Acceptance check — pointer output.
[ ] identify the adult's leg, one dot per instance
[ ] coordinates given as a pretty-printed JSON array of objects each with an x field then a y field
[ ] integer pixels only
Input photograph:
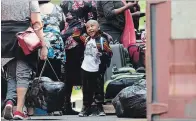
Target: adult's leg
[
  {"x": 23, "y": 76},
  {"x": 68, "y": 71},
  {"x": 73, "y": 76},
  {"x": 68, "y": 89},
  {"x": 11, "y": 81},
  {"x": 10, "y": 100}
]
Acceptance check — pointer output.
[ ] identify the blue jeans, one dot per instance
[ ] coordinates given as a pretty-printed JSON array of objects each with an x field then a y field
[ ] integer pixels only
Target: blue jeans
[{"x": 11, "y": 81}]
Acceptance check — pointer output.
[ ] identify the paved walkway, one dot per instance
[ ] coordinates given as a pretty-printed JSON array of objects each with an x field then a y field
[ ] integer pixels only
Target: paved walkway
[
  {"x": 77, "y": 98},
  {"x": 76, "y": 118}
]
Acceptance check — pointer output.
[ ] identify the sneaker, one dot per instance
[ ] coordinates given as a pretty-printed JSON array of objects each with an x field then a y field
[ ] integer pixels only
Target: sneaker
[
  {"x": 55, "y": 113},
  {"x": 8, "y": 111},
  {"x": 30, "y": 111},
  {"x": 19, "y": 116},
  {"x": 68, "y": 110},
  {"x": 94, "y": 111},
  {"x": 86, "y": 111},
  {"x": 100, "y": 110}
]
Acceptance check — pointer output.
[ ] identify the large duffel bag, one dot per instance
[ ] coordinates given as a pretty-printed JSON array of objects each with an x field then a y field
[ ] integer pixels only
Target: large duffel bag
[
  {"x": 45, "y": 93},
  {"x": 113, "y": 87},
  {"x": 131, "y": 101},
  {"x": 118, "y": 59}
]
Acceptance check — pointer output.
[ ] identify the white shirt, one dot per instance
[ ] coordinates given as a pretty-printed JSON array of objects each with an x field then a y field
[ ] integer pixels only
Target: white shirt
[{"x": 91, "y": 57}]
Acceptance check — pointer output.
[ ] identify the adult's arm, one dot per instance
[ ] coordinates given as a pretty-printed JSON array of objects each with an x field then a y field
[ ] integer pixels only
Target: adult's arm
[
  {"x": 38, "y": 27},
  {"x": 110, "y": 11},
  {"x": 138, "y": 14}
]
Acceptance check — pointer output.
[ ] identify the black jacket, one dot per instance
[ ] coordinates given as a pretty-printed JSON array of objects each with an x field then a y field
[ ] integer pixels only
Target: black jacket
[{"x": 106, "y": 50}]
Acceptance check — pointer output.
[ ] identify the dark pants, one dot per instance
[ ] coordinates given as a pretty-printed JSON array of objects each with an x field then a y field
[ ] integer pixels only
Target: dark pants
[
  {"x": 73, "y": 69},
  {"x": 99, "y": 97},
  {"x": 93, "y": 87}
]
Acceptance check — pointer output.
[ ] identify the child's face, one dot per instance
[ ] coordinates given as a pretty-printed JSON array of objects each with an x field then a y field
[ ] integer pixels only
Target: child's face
[{"x": 92, "y": 28}]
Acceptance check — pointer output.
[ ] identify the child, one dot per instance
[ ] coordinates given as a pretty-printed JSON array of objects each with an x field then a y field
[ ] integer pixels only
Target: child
[{"x": 97, "y": 57}]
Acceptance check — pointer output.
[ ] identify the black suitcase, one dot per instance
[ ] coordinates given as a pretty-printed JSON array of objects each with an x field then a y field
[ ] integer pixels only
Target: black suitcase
[
  {"x": 113, "y": 87},
  {"x": 118, "y": 59}
]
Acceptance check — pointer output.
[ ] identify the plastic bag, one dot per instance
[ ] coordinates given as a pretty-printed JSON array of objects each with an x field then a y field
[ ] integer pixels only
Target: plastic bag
[
  {"x": 45, "y": 94},
  {"x": 131, "y": 101}
]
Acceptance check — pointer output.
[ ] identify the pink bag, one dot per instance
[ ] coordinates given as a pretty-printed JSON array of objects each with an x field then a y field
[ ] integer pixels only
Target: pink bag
[
  {"x": 28, "y": 41},
  {"x": 137, "y": 54},
  {"x": 128, "y": 37}
]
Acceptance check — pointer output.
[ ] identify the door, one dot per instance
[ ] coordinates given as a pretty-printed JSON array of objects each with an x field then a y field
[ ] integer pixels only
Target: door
[{"x": 171, "y": 60}]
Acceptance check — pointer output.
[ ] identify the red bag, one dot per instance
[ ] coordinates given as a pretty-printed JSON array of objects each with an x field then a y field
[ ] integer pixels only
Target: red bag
[
  {"x": 137, "y": 54},
  {"x": 128, "y": 36},
  {"x": 28, "y": 41}
]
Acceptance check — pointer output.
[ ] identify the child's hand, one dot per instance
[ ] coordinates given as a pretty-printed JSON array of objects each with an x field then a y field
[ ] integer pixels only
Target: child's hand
[{"x": 99, "y": 54}]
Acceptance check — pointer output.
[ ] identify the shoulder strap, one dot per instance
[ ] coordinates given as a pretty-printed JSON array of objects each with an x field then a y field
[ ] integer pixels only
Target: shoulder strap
[
  {"x": 101, "y": 42},
  {"x": 87, "y": 39}
]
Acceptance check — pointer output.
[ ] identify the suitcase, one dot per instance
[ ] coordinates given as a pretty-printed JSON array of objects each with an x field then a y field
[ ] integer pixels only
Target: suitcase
[
  {"x": 118, "y": 59},
  {"x": 137, "y": 54}
]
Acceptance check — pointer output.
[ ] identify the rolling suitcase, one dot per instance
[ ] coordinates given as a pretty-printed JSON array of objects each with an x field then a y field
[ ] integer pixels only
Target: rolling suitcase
[
  {"x": 118, "y": 59},
  {"x": 114, "y": 86}
]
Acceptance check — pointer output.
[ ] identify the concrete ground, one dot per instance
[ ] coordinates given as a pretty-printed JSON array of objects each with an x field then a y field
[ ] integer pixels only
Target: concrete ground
[
  {"x": 76, "y": 118},
  {"x": 77, "y": 98}
]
